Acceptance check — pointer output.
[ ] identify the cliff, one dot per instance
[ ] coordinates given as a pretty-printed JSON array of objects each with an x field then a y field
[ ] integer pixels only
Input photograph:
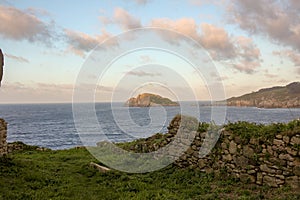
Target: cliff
[
  {"x": 149, "y": 100},
  {"x": 276, "y": 97}
]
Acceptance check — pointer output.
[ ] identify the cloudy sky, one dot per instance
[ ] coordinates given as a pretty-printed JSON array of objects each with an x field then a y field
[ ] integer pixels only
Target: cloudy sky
[{"x": 253, "y": 44}]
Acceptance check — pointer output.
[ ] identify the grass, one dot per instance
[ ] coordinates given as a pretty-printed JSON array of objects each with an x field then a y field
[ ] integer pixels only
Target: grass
[
  {"x": 66, "y": 174},
  {"x": 247, "y": 130}
]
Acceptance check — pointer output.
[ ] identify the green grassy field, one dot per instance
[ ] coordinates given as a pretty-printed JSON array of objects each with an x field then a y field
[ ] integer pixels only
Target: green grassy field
[{"x": 66, "y": 174}]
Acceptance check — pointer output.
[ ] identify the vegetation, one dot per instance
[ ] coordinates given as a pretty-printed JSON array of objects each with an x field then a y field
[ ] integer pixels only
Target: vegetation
[
  {"x": 65, "y": 174},
  {"x": 247, "y": 130},
  {"x": 35, "y": 173},
  {"x": 160, "y": 100}
]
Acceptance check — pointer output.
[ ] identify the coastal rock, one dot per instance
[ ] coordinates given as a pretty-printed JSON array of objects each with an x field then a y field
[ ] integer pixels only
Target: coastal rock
[{"x": 149, "y": 100}]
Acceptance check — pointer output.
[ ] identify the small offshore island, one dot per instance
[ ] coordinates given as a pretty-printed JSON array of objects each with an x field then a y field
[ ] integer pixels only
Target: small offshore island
[
  {"x": 275, "y": 97},
  {"x": 149, "y": 100}
]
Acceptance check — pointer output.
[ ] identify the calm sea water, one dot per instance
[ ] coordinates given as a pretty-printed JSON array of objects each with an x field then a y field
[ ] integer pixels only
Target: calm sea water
[{"x": 52, "y": 125}]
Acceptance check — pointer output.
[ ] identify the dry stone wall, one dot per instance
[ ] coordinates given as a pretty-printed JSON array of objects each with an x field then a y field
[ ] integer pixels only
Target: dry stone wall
[
  {"x": 273, "y": 162},
  {"x": 3, "y": 135}
]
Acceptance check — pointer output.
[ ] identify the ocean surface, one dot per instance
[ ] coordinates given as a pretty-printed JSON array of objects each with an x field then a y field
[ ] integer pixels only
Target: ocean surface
[{"x": 52, "y": 125}]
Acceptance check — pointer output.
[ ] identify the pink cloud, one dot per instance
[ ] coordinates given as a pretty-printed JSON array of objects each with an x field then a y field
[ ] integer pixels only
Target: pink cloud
[
  {"x": 21, "y": 25},
  {"x": 17, "y": 58},
  {"x": 125, "y": 20},
  {"x": 278, "y": 20}
]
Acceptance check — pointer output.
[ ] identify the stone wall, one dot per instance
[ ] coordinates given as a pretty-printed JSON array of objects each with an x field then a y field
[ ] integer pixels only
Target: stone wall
[
  {"x": 273, "y": 161},
  {"x": 3, "y": 135}
]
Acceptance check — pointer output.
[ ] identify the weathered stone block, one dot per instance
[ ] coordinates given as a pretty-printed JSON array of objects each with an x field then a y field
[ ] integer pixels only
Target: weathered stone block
[
  {"x": 246, "y": 178},
  {"x": 296, "y": 170},
  {"x": 241, "y": 161},
  {"x": 259, "y": 178},
  {"x": 286, "y": 157},
  {"x": 227, "y": 157},
  {"x": 295, "y": 140},
  {"x": 278, "y": 142},
  {"x": 232, "y": 147},
  {"x": 248, "y": 151},
  {"x": 293, "y": 181},
  {"x": 265, "y": 168},
  {"x": 270, "y": 181},
  {"x": 286, "y": 139}
]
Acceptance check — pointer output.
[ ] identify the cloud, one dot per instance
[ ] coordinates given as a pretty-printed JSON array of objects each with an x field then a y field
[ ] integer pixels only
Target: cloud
[
  {"x": 37, "y": 92},
  {"x": 246, "y": 66},
  {"x": 270, "y": 75},
  {"x": 80, "y": 43},
  {"x": 145, "y": 59},
  {"x": 207, "y": 2},
  {"x": 17, "y": 58},
  {"x": 141, "y": 2},
  {"x": 278, "y": 20},
  {"x": 125, "y": 20},
  {"x": 142, "y": 73},
  {"x": 293, "y": 56},
  {"x": 221, "y": 46},
  {"x": 185, "y": 26},
  {"x": 217, "y": 41},
  {"x": 21, "y": 25},
  {"x": 247, "y": 56}
]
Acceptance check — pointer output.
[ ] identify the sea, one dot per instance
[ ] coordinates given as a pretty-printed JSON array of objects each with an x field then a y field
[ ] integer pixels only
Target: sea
[{"x": 53, "y": 125}]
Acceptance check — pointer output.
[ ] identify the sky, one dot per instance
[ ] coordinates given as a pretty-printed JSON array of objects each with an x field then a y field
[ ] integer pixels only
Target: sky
[{"x": 250, "y": 44}]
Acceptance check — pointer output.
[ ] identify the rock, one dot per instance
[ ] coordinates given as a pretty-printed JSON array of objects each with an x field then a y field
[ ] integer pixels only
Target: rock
[
  {"x": 246, "y": 178},
  {"x": 237, "y": 139},
  {"x": 227, "y": 157},
  {"x": 279, "y": 136},
  {"x": 201, "y": 163},
  {"x": 248, "y": 151},
  {"x": 241, "y": 161},
  {"x": 296, "y": 170},
  {"x": 259, "y": 178},
  {"x": 280, "y": 176},
  {"x": 149, "y": 100},
  {"x": 293, "y": 181},
  {"x": 277, "y": 161},
  {"x": 270, "y": 181},
  {"x": 99, "y": 167},
  {"x": 279, "y": 181},
  {"x": 286, "y": 157},
  {"x": 286, "y": 139},
  {"x": 254, "y": 141},
  {"x": 232, "y": 147},
  {"x": 291, "y": 151},
  {"x": 224, "y": 145},
  {"x": 265, "y": 168},
  {"x": 278, "y": 142},
  {"x": 295, "y": 140},
  {"x": 270, "y": 150},
  {"x": 251, "y": 171}
]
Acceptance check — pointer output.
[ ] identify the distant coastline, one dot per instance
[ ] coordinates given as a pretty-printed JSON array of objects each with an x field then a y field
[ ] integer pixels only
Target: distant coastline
[{"x": 275, "y": 97}]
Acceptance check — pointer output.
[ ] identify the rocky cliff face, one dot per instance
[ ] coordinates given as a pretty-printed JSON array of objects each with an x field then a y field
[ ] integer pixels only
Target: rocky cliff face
[
  {"x": 3, "y": 135},
  {"x": 149, "y": 100},
  {"x": 275, "y": 97}
]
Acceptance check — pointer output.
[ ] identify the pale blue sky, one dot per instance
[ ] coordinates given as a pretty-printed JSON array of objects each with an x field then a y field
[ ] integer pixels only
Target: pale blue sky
[{"x": 46, "y": 43}]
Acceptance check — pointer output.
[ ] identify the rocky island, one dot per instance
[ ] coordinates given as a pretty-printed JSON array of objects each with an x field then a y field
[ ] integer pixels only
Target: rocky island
[
  {"x": 149, "y": 100},
  {"x": 275, "y": 97}
]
